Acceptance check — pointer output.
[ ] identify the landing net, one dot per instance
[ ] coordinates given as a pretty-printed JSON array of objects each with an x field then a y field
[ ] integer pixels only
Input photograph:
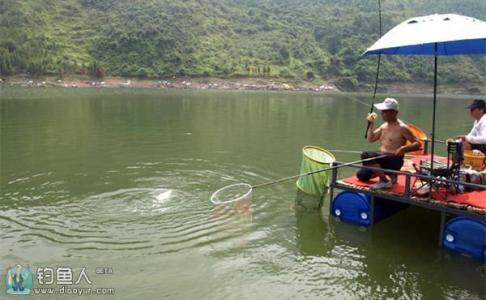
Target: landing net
[{"x": 232, "y": 193}]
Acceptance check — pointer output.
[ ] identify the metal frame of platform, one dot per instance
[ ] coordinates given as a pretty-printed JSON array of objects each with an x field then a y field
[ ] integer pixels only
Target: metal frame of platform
[{"x": 407, "y": 197}]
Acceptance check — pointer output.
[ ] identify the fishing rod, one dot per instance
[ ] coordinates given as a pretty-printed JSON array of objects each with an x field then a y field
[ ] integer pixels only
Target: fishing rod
[
  {"x": 318, "y": 171},
  {"x": 377, "y": 72}
]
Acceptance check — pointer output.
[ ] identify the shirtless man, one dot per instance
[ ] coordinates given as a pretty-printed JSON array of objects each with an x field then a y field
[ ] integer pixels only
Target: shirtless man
[{"x": 393, "y": 136}]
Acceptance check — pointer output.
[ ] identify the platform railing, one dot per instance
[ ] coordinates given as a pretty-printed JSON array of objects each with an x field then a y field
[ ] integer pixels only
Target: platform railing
[
  {"x": 409, "y": 176},
  {"x": 405, "y": 197}
]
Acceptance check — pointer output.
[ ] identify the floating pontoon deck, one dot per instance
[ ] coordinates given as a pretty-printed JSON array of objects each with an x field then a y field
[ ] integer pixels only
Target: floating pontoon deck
[{"x": 470, "y": 204}]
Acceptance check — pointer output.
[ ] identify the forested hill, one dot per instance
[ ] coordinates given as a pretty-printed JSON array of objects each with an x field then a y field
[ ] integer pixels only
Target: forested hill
[{"x": 281, "y": 38}]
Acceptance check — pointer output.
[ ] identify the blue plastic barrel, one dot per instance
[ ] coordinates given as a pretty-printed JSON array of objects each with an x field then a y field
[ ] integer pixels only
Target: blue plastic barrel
[
  {"x": 466, "y": 235},
  {"x": 355, "y": 208}
]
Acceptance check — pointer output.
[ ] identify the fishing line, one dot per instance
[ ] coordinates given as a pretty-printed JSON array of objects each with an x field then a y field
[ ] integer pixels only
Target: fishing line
[
  {"x": 358, "y": 101},
  {"x": 345, "y": 151}
]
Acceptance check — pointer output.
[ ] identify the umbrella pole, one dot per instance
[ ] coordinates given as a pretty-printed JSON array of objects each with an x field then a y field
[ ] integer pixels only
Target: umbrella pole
[{"x": 433, "y": 112}]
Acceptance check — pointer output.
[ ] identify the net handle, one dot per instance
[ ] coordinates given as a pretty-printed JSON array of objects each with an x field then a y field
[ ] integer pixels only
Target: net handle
[{"x": 318, "y": 171}]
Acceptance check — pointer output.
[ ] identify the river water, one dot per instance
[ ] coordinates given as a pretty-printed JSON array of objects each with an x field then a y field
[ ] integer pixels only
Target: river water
[{"x": 120, "y": 179}]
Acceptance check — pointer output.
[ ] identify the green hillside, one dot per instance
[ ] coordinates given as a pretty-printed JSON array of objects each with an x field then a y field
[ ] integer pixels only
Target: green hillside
[{"x": 298, "y": 39}]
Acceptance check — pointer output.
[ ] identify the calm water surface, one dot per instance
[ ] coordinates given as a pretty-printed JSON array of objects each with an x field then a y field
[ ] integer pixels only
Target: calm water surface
[{"x": 122, "y": 179}]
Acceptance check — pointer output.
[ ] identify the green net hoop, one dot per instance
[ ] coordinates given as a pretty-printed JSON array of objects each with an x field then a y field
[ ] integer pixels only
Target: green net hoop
[{"x": 315, "y": 159}]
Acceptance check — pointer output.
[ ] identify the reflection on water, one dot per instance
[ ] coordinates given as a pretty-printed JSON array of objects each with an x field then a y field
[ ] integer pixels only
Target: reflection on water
[
  {"x": 304, "y": 201},
  {"x": 125, "y": 177}
]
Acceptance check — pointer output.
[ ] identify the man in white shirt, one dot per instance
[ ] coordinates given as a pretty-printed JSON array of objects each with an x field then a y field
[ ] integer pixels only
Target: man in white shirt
[{"x": 476, "y": 139}]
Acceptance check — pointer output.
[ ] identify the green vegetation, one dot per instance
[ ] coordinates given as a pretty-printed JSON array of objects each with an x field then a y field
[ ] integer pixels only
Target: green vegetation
[{"x": 300, "y": 39}]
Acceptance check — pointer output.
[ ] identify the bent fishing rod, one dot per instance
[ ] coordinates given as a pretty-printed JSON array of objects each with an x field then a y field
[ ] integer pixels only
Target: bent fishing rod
[{"x": 377, "y": 72}]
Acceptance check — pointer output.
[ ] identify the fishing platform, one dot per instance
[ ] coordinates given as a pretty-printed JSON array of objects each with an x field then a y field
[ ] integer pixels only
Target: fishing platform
[
  {"x": 442, "y": 187},
  {"x": 462, "y": 205}
]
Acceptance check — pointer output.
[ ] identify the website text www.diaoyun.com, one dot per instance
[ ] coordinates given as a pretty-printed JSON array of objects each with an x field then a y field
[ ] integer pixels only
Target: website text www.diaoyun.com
[{"x": 73, "y": 291}]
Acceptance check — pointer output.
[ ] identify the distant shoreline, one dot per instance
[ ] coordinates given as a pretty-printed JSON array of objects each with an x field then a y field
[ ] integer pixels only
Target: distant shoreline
[{"x": 211, "y": 83}]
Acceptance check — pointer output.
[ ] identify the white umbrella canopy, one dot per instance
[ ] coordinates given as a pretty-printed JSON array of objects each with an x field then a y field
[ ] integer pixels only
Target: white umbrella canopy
[
  {"x": 452, "y": 34},
  {"x": 437, "y": 35}
]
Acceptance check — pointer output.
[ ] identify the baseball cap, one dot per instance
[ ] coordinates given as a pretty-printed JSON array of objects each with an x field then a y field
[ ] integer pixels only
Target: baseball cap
[
  {"x": 477, "y": 103},
  {"x": 389, "y": 103}
]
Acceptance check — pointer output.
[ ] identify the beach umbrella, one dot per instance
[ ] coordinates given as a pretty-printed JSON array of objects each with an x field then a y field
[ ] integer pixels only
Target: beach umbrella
[{"x": 434, "y": 35}]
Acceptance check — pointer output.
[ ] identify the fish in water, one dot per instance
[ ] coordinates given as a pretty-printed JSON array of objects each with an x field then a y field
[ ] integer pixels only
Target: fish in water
[{"x": 163, "y": 196}]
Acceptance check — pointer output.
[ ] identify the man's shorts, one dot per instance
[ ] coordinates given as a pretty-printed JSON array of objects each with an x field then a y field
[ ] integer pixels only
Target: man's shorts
[
  {"x": 480, "y": 147},
  {"x": 392, "y": 162}
]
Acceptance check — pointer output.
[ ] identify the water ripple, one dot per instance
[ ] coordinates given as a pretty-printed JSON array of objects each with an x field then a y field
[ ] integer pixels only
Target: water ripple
[{"x": 162, "y": 212}]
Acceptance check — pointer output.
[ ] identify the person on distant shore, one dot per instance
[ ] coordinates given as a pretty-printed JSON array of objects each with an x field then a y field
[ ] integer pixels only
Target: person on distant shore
[
  {"x": 393, "y": 135},
  {"x": 476, "y": 139}
]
